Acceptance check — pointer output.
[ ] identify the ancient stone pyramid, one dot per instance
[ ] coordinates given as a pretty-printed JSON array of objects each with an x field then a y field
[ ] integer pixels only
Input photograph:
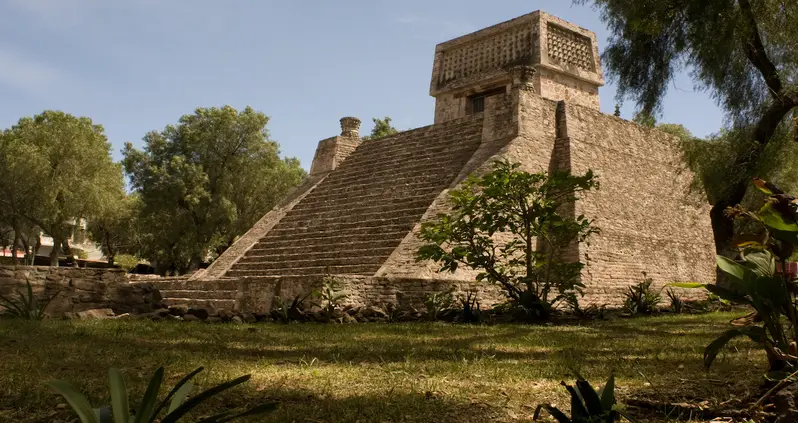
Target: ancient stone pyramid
[{"x": 525, "y": 90}]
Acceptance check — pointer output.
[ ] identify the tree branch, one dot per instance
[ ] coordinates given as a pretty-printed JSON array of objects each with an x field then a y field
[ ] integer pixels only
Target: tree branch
[{"x": 755, "y": 51}]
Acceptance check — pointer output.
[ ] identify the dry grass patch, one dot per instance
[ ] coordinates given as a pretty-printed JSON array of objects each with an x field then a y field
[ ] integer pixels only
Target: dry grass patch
[{"x": 417, "y": 372}]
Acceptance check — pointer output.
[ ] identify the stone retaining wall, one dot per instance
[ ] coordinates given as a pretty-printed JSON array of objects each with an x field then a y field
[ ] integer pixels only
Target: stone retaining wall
[{"x": 80, "y": 289}]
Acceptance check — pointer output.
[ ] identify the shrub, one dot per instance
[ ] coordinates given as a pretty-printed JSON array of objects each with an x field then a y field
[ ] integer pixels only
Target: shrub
[
  {"x": 529, "y": 210},
  {"x": 437, "y": 303},
  {"x": 641, "y": 298},
  {"x": 126, "y": 262},
  {"x": 589, "y": 312},
  {"x": 472, "y": 313},
  {"x": 330, "y": 297},
  {"x": 677, "y": 304},
  {"x": 26, "y": 306},
  {"x": 587, "y": 405},
  {"x": 286, "y": 313},
  {"x": 754, "y": 281},
  {"x": 149, "y": 408}
]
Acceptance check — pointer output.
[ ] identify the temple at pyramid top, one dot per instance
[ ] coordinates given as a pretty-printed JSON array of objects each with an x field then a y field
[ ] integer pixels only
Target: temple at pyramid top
[{"x": 561, "y": 58}]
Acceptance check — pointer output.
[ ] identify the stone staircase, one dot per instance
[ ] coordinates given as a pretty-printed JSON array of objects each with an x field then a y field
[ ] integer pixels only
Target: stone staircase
[
  {"x": 352, "y": 221},
  {"x": 217, "y": 294}
]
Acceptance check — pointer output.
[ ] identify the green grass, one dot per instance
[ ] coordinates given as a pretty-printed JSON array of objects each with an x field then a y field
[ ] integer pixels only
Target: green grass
[{"x": 415, "y": 372}]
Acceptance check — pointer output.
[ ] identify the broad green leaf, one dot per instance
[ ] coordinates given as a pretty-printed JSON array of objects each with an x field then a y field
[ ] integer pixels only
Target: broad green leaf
[
  {"x": 555, "y": 412},
  {"x": 688, "y": 285},
  {"x": 772, "y": 218},
  {"x": 76, "y": 400},
  {"x": 190, "y": 376},
  {"x": 608, "y": 394},
  {"x": 732, "y": 268},
  {"x": 147, "y": 405},
  {"x": 711, "y": 351},
  {"x": 180, "y": 396},
  {"x": 761, "y": 262},
  {"x": 119, "y": 400},
  {"x": 196, "y": 400}
]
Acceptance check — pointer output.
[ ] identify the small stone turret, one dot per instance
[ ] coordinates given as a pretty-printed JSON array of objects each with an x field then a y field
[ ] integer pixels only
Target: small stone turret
[
  {"x": 332, "y": 151},
  {"x": 350, "y": 127}
]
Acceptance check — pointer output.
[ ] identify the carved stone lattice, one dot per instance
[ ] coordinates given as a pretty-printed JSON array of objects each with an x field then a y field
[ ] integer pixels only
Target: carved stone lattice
[
  {"x": 570, "y": 47},
  {"x": 511, "y": 46}
]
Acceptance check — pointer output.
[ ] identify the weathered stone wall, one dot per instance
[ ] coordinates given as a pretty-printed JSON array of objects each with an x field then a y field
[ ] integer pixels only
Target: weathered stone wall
[
  {"x": 80, "y": 289},
  {"x": 556, "y": 85},
  {"x": 650, "y": 221}
]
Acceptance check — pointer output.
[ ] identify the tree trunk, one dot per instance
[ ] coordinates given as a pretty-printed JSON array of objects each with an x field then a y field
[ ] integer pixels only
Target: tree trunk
[
  {"x": 723, "y": 226},
  {"x": 35, "y": 251},
  {"x": 14, "y": 245},
  {"x": 54, "y": 252}
]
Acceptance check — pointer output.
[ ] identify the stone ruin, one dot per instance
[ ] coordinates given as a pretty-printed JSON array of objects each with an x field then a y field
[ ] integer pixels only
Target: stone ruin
[{"x": 525, "y": 90}]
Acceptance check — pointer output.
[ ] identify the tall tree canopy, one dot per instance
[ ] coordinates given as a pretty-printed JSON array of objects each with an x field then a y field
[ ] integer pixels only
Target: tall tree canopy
[
  {"x": 57, "y": 169},
  {"x": 382, "y": 128},
  {"x": 205, "y": 181},
  {"x": 743, "y": 52}
]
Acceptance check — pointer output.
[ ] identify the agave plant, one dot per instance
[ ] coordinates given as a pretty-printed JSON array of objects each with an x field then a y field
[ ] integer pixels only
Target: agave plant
[
  {"x": 26, "y": 306},
  {"x": 175, "y": 405},
  {"x": 587, "y": 404},
  {"x": 754, "y": 280}
]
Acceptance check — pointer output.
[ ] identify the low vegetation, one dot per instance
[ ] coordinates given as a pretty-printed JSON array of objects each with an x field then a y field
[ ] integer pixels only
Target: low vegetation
[{"x": 415, "y": 372}]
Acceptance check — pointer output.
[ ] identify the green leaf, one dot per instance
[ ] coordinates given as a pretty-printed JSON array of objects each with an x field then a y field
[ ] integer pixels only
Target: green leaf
[
  {"x": 688, "y": 285},
  {"x": 180, "y": 396},
  {"x": 761, "y": 262},
  {"x": 608, "y": 394},
  {"x": 119, "y": 400},
  {"x": 772, "y": 218},
  {"x": 193, "y": 402},
  {"x": 591, "y": 398},
  {"x": 578, "y": 410},
  {"x": 186, "y": 379},
  {"x": 756, "y": 334},
  {"x": 732, "y": 268},
  {"x": 147, "y": 405},
  {"x": 76, "y": 400},
  {"x": 555, "y": 412}
]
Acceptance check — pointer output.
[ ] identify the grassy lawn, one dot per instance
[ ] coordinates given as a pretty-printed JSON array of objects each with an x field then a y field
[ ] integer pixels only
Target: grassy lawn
[{"x": 375, "y": 372}]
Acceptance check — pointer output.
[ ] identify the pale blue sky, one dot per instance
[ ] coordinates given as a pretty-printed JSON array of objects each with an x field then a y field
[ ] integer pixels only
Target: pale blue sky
[{"x": 137, "y": 65}]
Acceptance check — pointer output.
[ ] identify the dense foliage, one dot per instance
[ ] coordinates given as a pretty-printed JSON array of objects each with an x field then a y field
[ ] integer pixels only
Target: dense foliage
[
  {"x": 756, "y": 280},
  {"x": 744, "y": 53},
  {"x": 382, "y": 128},
  {"x": 514, "y": 228},
  {"x": 205, "y": 181},
  {"x": 57, "y": 171},
  {"x": 587, "y": 404}
]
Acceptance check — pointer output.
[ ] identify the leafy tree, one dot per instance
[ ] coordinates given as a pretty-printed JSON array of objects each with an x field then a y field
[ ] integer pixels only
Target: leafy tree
[
  {"x": 645, "y": 119},
  {"x": 744, "y": 53},
  {"x": 205, "y": 181},
  {"x": 116, "y": 230},
  {"x": 514, "y": 228},
  {"x": 60, "y": 171},
  {"x": 382, "y": 128}
]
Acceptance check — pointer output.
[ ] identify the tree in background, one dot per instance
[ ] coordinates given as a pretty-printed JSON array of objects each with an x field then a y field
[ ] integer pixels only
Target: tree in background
[
  {"x": 117, "y": 229},
  {"x": 57, "y": 170},
  {"x": 205, "y": 181},
  {"x": 744, "y": 53},
  {"x": 382, "y": 128}
]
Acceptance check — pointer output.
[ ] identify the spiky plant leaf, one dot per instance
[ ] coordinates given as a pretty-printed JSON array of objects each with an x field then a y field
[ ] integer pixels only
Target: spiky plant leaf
[
  {"x": 75, "y": 399},
  {"x": 591, "y": 398},
  {"x": 119, "y": 400},
  {"x": 174, "y": 390},
  {"x": 608, "y": 394},
  {"x": 147, "y": 405},
  {"x": 193, "y": 402},
  {"x": 554, "y": 411},
  {"x": 235, "y": 414}
]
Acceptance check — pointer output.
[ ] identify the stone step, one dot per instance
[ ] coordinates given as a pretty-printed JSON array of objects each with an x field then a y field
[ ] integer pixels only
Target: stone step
[
  {"x": 382, "y": 206},
  {"x": 389, "y": 243},
  {"x": 386, "y": 217},
  {"x": 364, "y": 194},
  {"x": 217, "y": 304},
  {"x": 267, "y": 264},
  {"x": 334, "y": 241},
  {"x": 197, "y": 294},
  {"x": 256, "y": 256},
  {"x": 309, "y": 271},
  {"x": 200, "y": 285},
  {"x": 430, "y": 152},
  {"x": 388, "y": 175},
  {"x": 441, "y": 133},
  {"x": 332, "y": 228}
]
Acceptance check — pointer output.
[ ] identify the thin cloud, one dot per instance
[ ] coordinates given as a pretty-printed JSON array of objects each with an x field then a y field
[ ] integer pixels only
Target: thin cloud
[{"x": 32, "y": 77}]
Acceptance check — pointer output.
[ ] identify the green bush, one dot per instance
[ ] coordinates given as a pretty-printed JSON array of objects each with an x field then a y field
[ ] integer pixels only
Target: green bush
[
  {"x": 641, "y": 299},
  {"x": 329, "y": 297},
  {"x": 587, "y": 404},
  {"x": 530, "y": 211},
  {"x": 126, "y": 262},
  {"x": 437, "y": 303},
  {"x": 25, "y": 306},
  {"x": 175, "y": 406},
  {"x": 677, "y": 304},
  {"x": 754, "y": 281}
]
